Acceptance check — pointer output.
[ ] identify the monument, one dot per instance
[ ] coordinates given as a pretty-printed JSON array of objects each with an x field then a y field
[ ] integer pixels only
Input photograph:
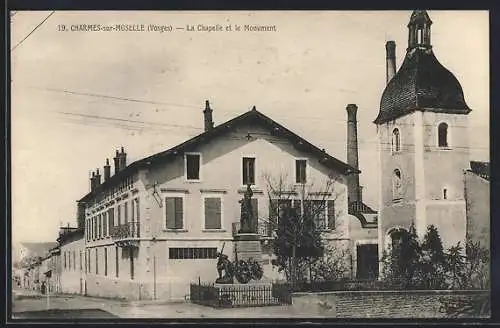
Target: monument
[
  {"x": 247, "y": 240},
  {"x": 248, "y": 252}
]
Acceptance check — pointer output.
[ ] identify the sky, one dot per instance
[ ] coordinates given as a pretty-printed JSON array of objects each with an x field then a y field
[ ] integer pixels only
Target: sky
[{"x": 78, "y": 96}]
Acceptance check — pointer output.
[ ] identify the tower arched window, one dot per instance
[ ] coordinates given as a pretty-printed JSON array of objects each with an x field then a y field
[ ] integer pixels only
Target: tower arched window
[
  {"x": 396, "y": 140},
  {"x": 396, "y": 185},
  {"x": 443, "y": 135},
  {"x": 420, "y": 36}
]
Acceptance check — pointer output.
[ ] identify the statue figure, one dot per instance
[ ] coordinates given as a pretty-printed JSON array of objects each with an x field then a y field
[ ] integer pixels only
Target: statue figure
[
  {"x": 224, "y": 264},
  {"x": 246, "y": 220}
]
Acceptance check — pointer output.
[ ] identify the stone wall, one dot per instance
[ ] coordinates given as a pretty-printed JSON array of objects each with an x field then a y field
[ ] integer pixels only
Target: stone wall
[{"x": 378, "y": 304}]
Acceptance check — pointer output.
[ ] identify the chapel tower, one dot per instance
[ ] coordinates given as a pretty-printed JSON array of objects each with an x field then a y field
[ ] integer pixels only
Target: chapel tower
[{"x": 422, "y": 128}]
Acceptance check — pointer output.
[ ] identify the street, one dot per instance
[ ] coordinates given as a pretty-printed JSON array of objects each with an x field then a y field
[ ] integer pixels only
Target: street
[{"x": 23, "y": 302}]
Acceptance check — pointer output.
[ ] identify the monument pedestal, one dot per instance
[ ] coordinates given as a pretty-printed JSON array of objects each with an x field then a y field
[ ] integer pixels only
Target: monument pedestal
[{"x": 248, "y": 246}]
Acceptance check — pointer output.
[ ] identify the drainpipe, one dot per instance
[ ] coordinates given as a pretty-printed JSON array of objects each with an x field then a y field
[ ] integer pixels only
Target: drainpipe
[{"x": 154, "y": 267}]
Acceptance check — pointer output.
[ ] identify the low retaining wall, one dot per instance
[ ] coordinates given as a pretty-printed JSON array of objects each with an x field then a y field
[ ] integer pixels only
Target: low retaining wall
[{"x": 380, "y": 304}]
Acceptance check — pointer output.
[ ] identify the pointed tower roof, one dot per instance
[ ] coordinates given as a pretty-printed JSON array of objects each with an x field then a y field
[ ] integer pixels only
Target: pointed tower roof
[
  {"x": 419, "y": 17},
  {"x": 421, "y": 82}
]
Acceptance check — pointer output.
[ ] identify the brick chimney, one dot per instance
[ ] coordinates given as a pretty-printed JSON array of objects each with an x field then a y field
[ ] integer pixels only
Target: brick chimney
[
  {"x": 107, "y": 171},
  {"x": 207, "y": 114},
  {"x": 122, "y": 159},
  {"x": 97, "y": 178},
  {"x": 390, "y": 50},
  {"x": 92, "y": 182},
  {"x": 352, "y": 153},
  {"x": 117, "y": 163}
]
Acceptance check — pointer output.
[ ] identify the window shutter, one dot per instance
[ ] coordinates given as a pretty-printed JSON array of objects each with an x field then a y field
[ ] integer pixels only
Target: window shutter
[
  {"x": 212, "y": 213},
  {"x": 170, "y": 212},
  {"x": 178, "y": 213},
  {"x": 331, "y": 214}
]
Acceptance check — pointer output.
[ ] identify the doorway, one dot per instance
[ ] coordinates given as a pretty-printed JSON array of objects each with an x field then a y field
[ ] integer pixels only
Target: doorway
[{"x": 367, "y": 262}]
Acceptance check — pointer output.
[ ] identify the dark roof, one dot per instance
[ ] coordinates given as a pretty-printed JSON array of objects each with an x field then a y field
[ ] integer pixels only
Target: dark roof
[
  {"x": 69, "y": 236},
  {"x": 421, "y": 83},
  {"x": 481, "y": 169},
  {"x": 419, "y": 17},
  {"x": 253, "y": 116}
]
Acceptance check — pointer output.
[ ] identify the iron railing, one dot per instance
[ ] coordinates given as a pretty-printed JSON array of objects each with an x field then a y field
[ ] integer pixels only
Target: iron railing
[
  {"x": 128, "y": 230},
  {"x": 224, "y": 296}
]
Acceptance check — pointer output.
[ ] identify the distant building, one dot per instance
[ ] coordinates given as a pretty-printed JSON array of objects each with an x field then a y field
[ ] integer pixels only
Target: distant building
[
  {"x": 70, "y": 262},
  {"x": 424, "y": 144}
]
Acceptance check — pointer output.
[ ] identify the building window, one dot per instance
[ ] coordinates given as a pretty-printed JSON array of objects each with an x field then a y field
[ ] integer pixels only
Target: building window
[
  {"x": 317, "y": 210},
  {"x": 89, "y": 260},
  {"x": 118, "y": 214},
  {"x": 445, "y": 193},
  {"x": 213, "y": 213},
  {"x": 192, "y": 253},
  {"x": 111, "y": 216},
  {"x": 174, "y": 212},
  {"x": 300, "y": 171},
  {"x": 443, "y": 135},
  {"x": 420, "y": 33},
  {"x": 248, "y": 170},
  {"x": 125, "y": 213},
  {"x": 137, "y": 210},
  {"x": 396, "y": 140},
  {"x": 74, "y": 260},
  {"x": 396, "y": 185},
  {"x": 105, "y": 261},
  {"x": 65, "y": 265},
  {"x": 117, "y": 262},
  {"x": 96, "y": 261},
  {"x": 104, "y": 225},
  {"x": 81, "y": 261},
  {"x": 330, "y": 210},
  {"x": 99, "y": 226},
  {"x": 132, "y": 210},
  {"x": 95, "y": 227},
  {"x": 193, "y": 166}
]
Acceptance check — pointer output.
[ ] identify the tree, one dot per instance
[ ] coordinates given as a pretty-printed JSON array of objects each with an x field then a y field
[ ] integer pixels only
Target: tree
[
  {"x": 469, "y": 269},
  {"x": 298, "y": 213},
  {"x": 433, "y": 264},
  {"x": 411, "y": 264},
  {"x": 402, "y": 263}
]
